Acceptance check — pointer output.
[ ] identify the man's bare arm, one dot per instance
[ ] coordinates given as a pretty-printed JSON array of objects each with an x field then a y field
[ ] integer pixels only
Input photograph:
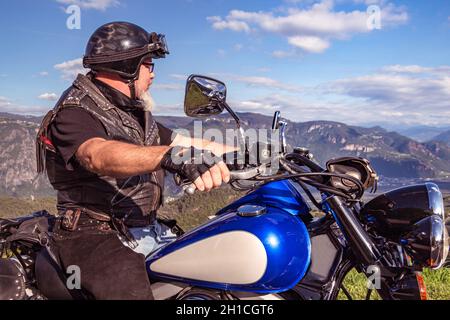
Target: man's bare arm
[{"x": 119, "y": 159}]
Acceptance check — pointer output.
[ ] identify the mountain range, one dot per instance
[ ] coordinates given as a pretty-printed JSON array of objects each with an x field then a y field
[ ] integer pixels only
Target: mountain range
[
  {"x": 392, "y": 154},
  {"x": 422, "y": 133},
  {"x": 443, "y": 137}
]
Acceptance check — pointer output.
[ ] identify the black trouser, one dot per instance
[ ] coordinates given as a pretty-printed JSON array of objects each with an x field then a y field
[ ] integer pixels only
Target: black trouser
[{"x": 109, "y": 269}]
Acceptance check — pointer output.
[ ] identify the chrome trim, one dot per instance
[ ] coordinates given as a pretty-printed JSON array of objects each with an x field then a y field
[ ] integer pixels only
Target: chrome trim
[
  {"x": 438, "y": 237},
  {"x": 435, "y": 199}
]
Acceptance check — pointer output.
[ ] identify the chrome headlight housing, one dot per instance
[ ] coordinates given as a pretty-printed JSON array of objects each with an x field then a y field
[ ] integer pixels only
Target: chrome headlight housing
[
  {"x": 412, "y": 216},
  {"x": 427, "y": 244},
  {"x": 428, "y": 241}
]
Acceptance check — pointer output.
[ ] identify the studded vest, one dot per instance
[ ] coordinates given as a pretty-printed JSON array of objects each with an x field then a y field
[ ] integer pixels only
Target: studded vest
[{"x": 134, "y": 199}]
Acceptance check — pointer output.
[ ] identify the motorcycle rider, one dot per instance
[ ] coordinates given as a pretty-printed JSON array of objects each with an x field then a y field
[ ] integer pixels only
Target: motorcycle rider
[{"x": 105, "y": 155}]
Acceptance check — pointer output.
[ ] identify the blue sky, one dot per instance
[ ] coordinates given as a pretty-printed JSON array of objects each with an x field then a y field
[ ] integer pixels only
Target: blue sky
[{"x": 310, "y": 59}]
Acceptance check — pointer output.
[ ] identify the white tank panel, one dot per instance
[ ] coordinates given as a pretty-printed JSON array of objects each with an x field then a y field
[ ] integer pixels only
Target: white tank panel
[{"x": 235, "y": 257}]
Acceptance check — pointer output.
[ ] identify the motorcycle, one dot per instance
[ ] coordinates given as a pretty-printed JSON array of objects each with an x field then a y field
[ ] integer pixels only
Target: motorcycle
[{"x": 267, "y": 244}]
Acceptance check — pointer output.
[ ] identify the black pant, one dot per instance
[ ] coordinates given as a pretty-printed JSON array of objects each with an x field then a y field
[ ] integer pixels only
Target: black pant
[{"x": 109, "y": 269}]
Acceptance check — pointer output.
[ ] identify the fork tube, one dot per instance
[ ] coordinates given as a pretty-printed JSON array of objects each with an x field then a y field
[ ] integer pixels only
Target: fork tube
[{"x": 359, "y": 240}]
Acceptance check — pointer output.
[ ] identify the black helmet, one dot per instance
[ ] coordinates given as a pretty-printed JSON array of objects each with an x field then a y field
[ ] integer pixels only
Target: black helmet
[{"x": 121, "y": 47}]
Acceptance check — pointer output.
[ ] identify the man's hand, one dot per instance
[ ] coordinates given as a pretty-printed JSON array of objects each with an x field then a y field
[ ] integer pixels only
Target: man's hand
[
  {"x": 213, "y": 178},
  {"x": 201, "y": 167}
]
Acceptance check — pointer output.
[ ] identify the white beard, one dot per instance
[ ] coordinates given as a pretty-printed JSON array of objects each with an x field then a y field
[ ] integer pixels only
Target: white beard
[{"x": 148, "y": 101}]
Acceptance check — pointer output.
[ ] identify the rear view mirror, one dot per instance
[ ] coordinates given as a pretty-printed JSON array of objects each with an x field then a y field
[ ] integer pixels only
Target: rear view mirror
[{"x": 204, "y": 96}]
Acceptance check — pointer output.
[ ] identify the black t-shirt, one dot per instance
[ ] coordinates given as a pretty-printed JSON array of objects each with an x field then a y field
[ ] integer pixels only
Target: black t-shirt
[{"x": 73, "y": 126}]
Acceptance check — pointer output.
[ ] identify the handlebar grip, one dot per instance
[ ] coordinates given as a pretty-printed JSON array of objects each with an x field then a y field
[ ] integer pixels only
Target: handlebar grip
[{"x": 190, "y": 188}]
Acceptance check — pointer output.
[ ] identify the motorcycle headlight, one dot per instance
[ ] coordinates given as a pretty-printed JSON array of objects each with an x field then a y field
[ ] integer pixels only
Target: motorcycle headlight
[
  {"x": 437, "y": 206},
  {"x": 428, "y": 242},
  {"x": 413, "y": 216}
]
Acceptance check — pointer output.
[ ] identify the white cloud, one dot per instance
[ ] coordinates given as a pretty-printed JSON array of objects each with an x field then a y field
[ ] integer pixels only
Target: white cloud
[
  {"x": 354, "y": 112},
  {"x": 369, "y": 2},
  {"x": 401, "y": 93},
  {"x": 178, "y": 76},
  {"x": 415, "y": 69},
  {"x": 8, "y": 105},
  {"x": 264, "y": 82},
  {"x": 4, "y": 101},
  {"x": 70, "y": 69},
  {"x": 310, "y": 29},
  {"x": 294, "y": 1},
  {"x": 283, "y": 54},
  {"x": 309, "y": 43},
  {"x": 43, "y": 73},
  {"x": 101, "y": 5},
  {"x": 48, "y": 96},
  {"x": 168, "y": 86},
  {"x": 231, "y": 24},
  {"x": 169, "y": 109},
  {"x": 404, "y": 69},
  {"x": 297, "y": 109}
]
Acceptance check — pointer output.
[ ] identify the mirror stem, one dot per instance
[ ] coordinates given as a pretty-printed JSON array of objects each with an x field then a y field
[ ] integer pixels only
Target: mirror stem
[
  {"x": 238, "y": 124},
  {"x": 234, "y": 115}
]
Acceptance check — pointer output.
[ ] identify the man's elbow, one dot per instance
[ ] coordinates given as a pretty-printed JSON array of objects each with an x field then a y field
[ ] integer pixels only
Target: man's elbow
[
  {"x": 89, "y": 155},
  {"x": 90, "y": 163}
]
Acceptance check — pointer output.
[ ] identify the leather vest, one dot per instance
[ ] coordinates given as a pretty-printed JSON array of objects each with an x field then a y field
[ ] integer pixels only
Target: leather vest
[{"x": 134, "y": 199}]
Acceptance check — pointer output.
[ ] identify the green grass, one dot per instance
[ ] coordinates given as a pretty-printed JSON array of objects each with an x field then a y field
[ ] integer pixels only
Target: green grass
[
  {"x": 437, "y": 283},
  {"x": 14, "y": 207},
  {"x": 193, "y": 210},
  {"x": 356, "y": 285}
]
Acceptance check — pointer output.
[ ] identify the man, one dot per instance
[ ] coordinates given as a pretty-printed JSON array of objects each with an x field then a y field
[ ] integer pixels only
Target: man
[{"x": 105, "y": 155}]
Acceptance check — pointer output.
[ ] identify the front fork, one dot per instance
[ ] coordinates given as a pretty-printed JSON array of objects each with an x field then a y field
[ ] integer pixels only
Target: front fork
[
  {"x": 359, "y": 241},
  {"x": 394, "y": 283}
]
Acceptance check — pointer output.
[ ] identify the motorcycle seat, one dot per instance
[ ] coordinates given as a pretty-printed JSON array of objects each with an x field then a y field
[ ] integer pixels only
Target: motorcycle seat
[
  {"x": 12, "y": 280},
  {"x": 6, "y": 223}
]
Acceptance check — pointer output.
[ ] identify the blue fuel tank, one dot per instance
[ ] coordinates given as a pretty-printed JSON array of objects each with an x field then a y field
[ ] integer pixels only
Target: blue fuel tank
[{"x": 252, "y": 246}]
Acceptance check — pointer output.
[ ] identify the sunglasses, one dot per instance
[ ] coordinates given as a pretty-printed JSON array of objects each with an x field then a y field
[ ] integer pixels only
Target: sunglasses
[{"x": 149, "y": 65}]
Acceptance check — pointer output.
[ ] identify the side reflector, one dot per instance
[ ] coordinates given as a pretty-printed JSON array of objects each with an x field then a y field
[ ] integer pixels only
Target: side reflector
[{"x": 422, "y": 287}]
